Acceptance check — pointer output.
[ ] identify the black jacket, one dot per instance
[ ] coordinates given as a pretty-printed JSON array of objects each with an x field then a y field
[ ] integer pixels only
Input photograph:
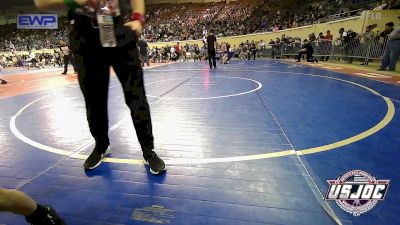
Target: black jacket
[{"x": 309, "y": 47}]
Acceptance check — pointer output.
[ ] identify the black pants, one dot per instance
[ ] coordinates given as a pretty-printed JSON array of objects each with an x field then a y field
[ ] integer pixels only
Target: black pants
[
  {"x": 211, "y": 59},
  {"x": 58, "y": 61},
  {"x": 93, "y": 73},
  {"x": 308, "y": 53},
  {"x": 69, "y": 59},
  {"x": 251, "y": 54},
  {"x": 144, "y": 58},
  {"x": 348, "y": 50}
]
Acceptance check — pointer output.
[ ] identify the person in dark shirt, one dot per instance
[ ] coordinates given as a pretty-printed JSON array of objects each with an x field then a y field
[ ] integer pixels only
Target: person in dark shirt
[
  {"x": 143, "y": 49},
  {"x": 351, "y": 43},
  {"x": 68, "y": 57},
  {"x": 312, "y": 37},
  {"x": 211, "y": 46},
  {"x": 93, "y": 63},
  {"x": 388, "y": 29},
  {"x": 284, "y": 39},
  {"x": 306, "y": 49},
  {"x": 196, "y": 53},
  {"x": 253, "y": 51},
  {"x": 57, "y": 58}
]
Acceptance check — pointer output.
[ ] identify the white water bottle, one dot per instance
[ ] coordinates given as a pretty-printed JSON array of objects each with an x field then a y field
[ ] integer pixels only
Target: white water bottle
[{"x": 106, "y": 28}]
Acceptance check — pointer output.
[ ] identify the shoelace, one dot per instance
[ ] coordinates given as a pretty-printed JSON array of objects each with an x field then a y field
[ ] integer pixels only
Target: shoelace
[{"x": 51, "y": 217}]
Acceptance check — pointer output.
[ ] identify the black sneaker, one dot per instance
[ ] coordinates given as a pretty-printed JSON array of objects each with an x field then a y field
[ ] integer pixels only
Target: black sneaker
[
  {"x": 156, "y": 164},
  {"x": 64, "y": 73},
  {"x": 94, "y": 160},
  {"x": 50, "y": 218}
]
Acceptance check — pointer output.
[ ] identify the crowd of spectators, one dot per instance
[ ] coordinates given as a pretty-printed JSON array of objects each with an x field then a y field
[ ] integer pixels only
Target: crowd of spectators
[
  {"x": 180, "y": 22},
  {"x": 322, "y": 44},
  {"x": 12, "y": 39},
  {"x": 191, "y": 21},
  {"x": 279, "y": 15},
  {"x": 224, "y": 52},
  {"x": 177, "y": 22},
  {"x": 32, "y": 60}
]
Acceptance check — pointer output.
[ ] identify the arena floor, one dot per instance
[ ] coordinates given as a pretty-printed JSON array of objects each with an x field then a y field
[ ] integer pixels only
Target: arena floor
[{"x": 250, "y": 143}]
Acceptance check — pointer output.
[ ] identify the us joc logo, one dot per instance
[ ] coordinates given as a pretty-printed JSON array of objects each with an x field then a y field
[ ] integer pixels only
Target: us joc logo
[{"x": 357, "y": 192}]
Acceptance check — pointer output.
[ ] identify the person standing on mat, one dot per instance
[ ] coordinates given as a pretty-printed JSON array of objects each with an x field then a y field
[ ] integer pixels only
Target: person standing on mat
[
  {"x": 68, "y": 58},
  {"x": 211, "y": 47},
  {"x": 94, "y": 61},
  {"x": 252, "y": 50},
  {"x": 144, "y": 55},
  {"x": 19, "y": 203}
]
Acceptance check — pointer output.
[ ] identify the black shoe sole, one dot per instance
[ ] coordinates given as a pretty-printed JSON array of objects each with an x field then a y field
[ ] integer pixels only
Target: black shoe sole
[
  {"x": 108, "y": 151},
  {"x": 152, "y": 171}
]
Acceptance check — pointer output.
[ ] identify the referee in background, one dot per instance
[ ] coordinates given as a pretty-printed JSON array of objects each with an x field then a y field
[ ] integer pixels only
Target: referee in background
[
  {"x": 67, "y": 56},
  {"x": 93, "y": 62},
  {"x": 212, "y": 47}
]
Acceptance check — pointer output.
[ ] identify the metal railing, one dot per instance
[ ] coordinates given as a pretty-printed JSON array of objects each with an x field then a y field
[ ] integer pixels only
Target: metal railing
[{"x": 355, "y": 48}]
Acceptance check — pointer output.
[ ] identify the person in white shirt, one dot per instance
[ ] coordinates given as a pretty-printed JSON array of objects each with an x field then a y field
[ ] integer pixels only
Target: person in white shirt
[{"x": 261, "y": 45}]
